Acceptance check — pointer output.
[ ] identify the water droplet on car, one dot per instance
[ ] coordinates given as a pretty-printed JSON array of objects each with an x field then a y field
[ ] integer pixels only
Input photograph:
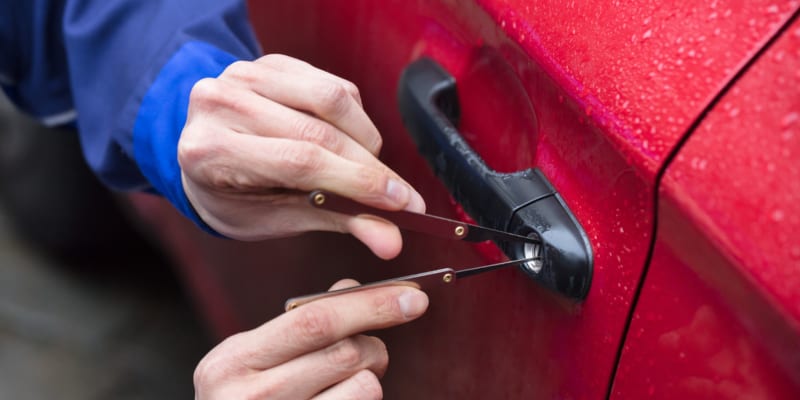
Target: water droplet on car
[{"x": 789, "y": 119}]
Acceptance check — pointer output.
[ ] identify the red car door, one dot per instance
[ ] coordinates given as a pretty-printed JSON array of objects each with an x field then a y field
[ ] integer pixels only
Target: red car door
[
  {"x": 719, "y": 313},
  {"x": 588, "y": 97}
]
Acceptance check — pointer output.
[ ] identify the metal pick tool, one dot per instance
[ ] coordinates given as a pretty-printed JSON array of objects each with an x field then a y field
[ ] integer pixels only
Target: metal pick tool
[
  {"x": 423, "y": 280},
  {"x": 421, "y": 223}
]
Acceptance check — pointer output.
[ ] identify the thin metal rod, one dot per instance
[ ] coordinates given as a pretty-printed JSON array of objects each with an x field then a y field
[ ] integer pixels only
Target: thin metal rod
[
  {"x": 433, "y": 225},
  {"x": 486, "y": 268}
]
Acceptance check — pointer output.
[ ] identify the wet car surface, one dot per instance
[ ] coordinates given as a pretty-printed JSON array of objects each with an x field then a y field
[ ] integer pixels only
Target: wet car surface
[{"x": 669, "y": 132}]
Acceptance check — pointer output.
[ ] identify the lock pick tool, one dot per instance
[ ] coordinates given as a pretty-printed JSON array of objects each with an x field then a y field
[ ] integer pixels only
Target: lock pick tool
[{"x": 421, "y": 223}]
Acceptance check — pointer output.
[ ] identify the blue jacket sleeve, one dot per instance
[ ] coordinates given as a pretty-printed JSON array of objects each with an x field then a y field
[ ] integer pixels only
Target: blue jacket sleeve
[{"x": 132, "y": 65}]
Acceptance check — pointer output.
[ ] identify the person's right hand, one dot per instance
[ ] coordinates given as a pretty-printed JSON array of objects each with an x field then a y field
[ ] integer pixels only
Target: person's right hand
[
  {"x": 314, "y": 351},
  {"x": 264, "y": 133}
]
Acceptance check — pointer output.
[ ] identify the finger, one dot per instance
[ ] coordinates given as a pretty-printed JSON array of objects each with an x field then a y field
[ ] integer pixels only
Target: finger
[
  {"x": 285, "y": 63},
  {"x": 362, "y": 386},
  {"x": 344, "y": 284},
  {"x": 378, "y": 235},
  {"x": 272, "y": 216},
  {"x": 244, "y": 163},
  {"x": 327, "y": 99},
  {"x": 245, "y": 111},
  {"x": 323, "y": 368},
  {"x": 326, "y": 321}
]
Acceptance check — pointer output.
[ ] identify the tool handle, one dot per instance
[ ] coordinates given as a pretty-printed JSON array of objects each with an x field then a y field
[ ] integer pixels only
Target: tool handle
[
  {"x": 421, "y": 223},
  {"x": 424, "y": 280},
  {"x": 416, "y": 222}
]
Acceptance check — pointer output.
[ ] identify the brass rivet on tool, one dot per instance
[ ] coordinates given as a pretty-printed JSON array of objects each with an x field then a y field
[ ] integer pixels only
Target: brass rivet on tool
[
  {"x": 447, "y": 278},
  {"x": 319, "y": 199},
  {"x": 460, "y": 231}
]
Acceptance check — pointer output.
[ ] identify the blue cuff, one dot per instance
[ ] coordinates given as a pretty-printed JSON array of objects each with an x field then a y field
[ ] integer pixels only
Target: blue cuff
[{"x": 162, "y": 116}]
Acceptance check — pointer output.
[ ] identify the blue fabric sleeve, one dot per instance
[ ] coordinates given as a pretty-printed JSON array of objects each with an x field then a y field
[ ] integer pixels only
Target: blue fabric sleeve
[
  {"x": 132, "y": 65},
  {"x": 162, "y": 115}
]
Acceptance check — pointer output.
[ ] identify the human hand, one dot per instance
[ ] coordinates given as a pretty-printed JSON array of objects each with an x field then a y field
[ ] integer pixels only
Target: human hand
[
  {"x": 314, "y": 351},
  {"x": 264, "y": 133}
]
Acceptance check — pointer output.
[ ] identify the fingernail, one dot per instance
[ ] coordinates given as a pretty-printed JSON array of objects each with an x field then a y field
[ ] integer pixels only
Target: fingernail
[
  {"x": 416, "y": 204},
  {"x": 397, "y": 191},
  {"x": 412, "y": 303}
]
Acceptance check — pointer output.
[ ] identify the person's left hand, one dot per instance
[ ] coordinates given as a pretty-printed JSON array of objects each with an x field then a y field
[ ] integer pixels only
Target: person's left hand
[{"x": 314, "y": 351}]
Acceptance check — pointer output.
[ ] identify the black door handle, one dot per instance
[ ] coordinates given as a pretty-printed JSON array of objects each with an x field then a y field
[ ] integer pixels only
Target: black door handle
[{"x": 522, "y": 202}]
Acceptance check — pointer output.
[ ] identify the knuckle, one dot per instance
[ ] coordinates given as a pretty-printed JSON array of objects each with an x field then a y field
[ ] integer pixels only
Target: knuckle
[
  {"x": 274, "y": 60},
  {"x": 352, "y": 89},
  {"x": 386, "y": 307},
  {"x": 240, "y": 70},
  {"x": 370, "y": 181},
  {"x": 377, "y": 144},
  {"x": 190, "y": 150},
  {"x": 204, "y": 91},
  {"x": 345, "y": 354},
  {"x": 204, "y": 374},
  {"x": 301, "y": 160},
  {"x": 270, "y": 387},
  {"x": 314, "y": 131},
  {"x": 194, "y": 147},
  {"x": 209, "y": 95},
  {"x": 334, "y": 100},
  {"x": 313, "y": 325},
  {"x": 200, "y": 157},
  {"x": 214, "y": 368},
  {"x": 368, "y": 385},
  {"x": 380, "y": 353}
]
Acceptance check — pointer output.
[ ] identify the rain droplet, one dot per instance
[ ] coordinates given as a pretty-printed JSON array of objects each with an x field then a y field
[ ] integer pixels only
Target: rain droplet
[
  {"x": 772, "y": 9},
  {"x": 647, "y": 34},
  {"x": 777, "y": 215},
  {"x": 789, "y": 119}
]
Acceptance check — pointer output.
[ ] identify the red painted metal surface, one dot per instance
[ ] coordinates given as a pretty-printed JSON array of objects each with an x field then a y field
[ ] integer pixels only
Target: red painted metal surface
[
  {"x": 642, "y": 69},
  {"x": 719, "y": 315},
  {"x": 595, "y": 110}
]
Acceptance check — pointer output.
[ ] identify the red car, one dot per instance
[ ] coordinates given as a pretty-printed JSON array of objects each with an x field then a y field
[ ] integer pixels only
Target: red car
[{"x": 653, "y": 146}]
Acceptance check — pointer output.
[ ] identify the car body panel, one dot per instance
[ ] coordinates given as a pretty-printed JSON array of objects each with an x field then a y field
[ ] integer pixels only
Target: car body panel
[
  {"x": 591, "y": 110},
  {"x": 642, "y": 69},
  {"x": 719, "y": 314}
]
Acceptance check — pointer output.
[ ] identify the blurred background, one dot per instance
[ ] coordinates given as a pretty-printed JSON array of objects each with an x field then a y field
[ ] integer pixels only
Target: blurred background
[{"x": 89, "y": 309}]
